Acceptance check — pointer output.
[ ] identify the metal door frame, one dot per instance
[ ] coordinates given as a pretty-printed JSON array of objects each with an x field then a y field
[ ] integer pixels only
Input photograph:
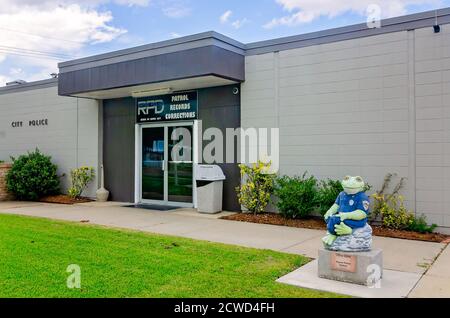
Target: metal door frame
[{"x": 138, "y": 165}]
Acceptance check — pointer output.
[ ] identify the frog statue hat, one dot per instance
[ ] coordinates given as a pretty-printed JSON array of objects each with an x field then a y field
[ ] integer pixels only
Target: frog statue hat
[{"x": 350, "y": 211}]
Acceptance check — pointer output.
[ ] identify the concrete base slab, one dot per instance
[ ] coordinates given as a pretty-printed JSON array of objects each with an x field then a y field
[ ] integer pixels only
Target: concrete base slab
[{"x": 393, "y": 285}]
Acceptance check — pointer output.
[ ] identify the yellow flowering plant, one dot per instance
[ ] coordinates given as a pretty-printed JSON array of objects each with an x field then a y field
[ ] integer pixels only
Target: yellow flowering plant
[
  {"x": 394, "y": 214},
  {"x": 257, "y": 187},
  {"x": 80, "y": 178}
]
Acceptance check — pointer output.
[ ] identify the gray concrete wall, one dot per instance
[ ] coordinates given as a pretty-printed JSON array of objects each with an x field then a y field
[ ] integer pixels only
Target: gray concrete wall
[
  {"x": 365, "y": 106},
  {"x": 432, "y": 98},
  {"x": 71, "y": 137}
]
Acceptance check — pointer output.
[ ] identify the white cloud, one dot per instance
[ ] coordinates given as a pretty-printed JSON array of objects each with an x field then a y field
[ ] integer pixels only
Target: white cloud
[
  {"x": 239, "y": 23},
  {"x": 224, "y": 18},
  {"x": 305, "y": 11},
  {"x": 62, "y": 27},
  {"x": 175, "y": 9},
  {"x": 175, "y": 35},
  {"x": 84, "y": 3},
  {"x": 4, "y": 79},
  {"x": 130, "y": 3}
]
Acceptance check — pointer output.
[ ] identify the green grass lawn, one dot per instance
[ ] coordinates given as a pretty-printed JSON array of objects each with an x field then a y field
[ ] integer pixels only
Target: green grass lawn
[{"x": 35, "y": 253}]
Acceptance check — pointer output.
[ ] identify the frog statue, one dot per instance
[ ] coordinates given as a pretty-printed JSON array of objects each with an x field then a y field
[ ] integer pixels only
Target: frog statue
[{"x": 348, "y": 229}]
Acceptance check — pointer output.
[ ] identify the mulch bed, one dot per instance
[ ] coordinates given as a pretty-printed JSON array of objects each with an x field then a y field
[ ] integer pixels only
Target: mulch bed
[
  {"x": 319, "y": 224},
  {"x": 64, "y": 199}
]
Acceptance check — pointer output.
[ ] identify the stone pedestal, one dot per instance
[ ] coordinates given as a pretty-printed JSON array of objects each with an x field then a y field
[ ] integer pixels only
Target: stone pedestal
[
  {"x": 4, "y": 194},
  {"x": 363, "y": 268}
]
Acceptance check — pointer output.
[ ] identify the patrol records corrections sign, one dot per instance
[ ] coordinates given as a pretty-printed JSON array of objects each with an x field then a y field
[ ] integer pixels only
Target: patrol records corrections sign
[{"x": 181, "y": 106}]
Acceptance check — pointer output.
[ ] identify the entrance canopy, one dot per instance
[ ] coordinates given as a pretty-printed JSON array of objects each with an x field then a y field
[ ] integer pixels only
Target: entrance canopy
[{"x": 202, "y": 60}]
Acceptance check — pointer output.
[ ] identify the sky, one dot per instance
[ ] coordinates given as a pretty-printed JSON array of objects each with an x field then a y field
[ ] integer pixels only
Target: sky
[{"x": 35, "y": 35}]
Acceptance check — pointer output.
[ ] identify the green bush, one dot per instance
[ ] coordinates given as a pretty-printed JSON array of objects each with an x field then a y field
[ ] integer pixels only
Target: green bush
[
  {"x": 420, "y": 225},
  {"x": 327, "y": 193},
  {"x": 80, "y": 180},
  {"x": 32, "y": 176},
  {"x": 254, "y": 194},
  {"x": 296, "y": 196}
]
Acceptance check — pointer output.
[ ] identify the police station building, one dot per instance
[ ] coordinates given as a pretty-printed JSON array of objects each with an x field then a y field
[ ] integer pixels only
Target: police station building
[{"x": 347, "y": 101}]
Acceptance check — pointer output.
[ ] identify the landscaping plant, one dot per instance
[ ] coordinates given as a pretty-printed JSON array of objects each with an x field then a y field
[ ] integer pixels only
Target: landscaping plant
[
  {"x": 394, "y": 214},
  {"x": 420, "y": 225},
  {"x": 254, "y": 194},
  {"x": 381, "y": 197},
  {"x": 80, "y": 178},
  {"x": 32, "y": 176},
  {"x": 296, "y": 196},
  {"x": 392, "y": 211},
  {"x": 327, "y": 193}
]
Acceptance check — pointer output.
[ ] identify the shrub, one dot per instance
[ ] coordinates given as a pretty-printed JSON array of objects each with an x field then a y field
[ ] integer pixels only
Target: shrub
[
  {"x": 296, "y": 196},
  {"x": 381, "y": 196},
  {"x": 394, "y": 214},
  {"x": 80, "y": 180},
  {"x": 420, "y": 225},
  {"x": 32, "y": 176},
  {"x": 327, "y": 193},
  {"x": 254, "y": 194}
]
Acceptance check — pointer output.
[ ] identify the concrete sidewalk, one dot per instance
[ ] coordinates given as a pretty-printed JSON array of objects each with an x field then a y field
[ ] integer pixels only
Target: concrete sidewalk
[{"x": 399, "y": 255}]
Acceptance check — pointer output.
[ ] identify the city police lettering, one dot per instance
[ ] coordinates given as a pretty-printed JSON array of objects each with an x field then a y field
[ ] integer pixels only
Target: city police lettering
[{"x": 40, "y": 122}]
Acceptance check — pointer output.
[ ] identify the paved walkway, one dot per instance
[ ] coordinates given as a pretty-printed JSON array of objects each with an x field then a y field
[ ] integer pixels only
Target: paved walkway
[{"x": 399, "y": 255}]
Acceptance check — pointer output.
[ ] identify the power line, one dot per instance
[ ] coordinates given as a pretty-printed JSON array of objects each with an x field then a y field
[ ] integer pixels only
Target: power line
[
  {"x": 32, "y": 55},
  {"x": 21, "y": 50},
  {"x": 41, "y": 36}
]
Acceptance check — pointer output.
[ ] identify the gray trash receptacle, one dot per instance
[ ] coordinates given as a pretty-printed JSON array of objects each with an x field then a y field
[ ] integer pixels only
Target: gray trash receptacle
[{"x": 209, "y": 188}]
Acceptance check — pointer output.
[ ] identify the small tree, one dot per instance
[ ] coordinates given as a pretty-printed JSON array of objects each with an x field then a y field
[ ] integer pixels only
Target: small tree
[
  {"x": 254, "y": 194},
  {"x": 80, "y": 178}
]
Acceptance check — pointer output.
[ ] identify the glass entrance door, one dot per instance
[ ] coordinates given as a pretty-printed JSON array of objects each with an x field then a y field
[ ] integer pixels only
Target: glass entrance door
[{"x": 167, "y": 164}]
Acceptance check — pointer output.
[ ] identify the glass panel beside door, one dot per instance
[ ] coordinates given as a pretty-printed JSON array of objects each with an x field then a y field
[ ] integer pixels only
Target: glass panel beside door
[
  {"x": 153, "y": 163},
  {"x": 167, "y": 164},
  {"x": 180, "y": 164}
]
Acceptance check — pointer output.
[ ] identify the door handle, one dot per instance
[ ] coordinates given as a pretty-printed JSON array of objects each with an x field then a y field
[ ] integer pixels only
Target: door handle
[{"x": 163, "y": 168}]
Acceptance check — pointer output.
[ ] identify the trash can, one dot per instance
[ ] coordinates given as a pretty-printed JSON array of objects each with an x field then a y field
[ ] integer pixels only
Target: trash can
[{"x": 209, "y": 180}]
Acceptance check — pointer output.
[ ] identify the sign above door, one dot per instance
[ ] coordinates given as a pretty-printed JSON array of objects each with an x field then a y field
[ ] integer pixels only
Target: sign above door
[{"x": 181, "y": 106}]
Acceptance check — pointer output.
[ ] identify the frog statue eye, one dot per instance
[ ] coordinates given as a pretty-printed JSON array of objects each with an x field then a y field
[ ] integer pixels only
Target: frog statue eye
[
  {"x": 359, "y": 179},
  {"x": 347, "y": 178}
]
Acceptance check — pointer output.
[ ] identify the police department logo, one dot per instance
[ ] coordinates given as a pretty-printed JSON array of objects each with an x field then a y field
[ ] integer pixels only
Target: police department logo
[
  {"x": 366, "y": 205},
  {"x": 351, "y": 202}
]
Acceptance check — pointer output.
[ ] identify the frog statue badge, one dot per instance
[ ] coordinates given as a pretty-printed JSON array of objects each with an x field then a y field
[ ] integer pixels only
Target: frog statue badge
[{"x": 348, "y": 229}]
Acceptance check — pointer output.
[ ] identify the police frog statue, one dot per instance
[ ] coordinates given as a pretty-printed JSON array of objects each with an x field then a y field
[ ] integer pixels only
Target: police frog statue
[{"x": 347, "y": 219}]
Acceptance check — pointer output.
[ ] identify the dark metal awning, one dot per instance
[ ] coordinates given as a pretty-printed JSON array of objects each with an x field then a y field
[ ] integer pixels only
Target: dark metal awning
[{"x": 191, "y": 62}]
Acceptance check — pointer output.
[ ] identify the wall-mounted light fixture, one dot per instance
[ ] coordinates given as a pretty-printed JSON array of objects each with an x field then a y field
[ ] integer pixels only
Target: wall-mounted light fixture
[
  {"x": 436, "y": 27},
  {"x": 151, "y": 92}
]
